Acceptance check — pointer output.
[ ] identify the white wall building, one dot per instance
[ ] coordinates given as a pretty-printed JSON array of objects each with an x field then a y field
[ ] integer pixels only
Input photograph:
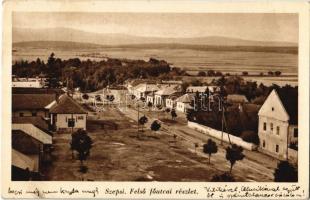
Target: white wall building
[
  {"x": 277, "y": 125},
  {"x": 183, "y": 102},
  {"x": 67, "y": 114}
]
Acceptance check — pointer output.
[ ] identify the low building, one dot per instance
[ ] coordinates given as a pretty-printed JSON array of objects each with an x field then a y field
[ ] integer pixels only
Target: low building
[
  {"x": 30, "y": 105},
  {"x": 184, "y": 102},
  {"x": 171, "y": 100},
  {"x": 66, "y": 114},
  {"x": 141, "y": 90},
  {"x": 161, "y": 95},
  {"x": 28, "y": 82},
  {"x": 278, "y": 124}
]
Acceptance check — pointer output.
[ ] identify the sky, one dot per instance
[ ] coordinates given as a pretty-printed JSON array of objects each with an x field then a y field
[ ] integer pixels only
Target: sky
[{"x": 259, "y": 27}]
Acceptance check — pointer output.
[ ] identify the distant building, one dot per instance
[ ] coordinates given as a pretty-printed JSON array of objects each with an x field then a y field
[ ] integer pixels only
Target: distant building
[
  {"x": 184, "y": 102},
  {"x": 237, "y": 99},
  {"x": 31, "y": 105},
  {"x": 278, "y": 124},
  {"x": 201, "y": 89},
  {"x": 28, "y": 82},
  {"x": 165, "y": 91},
  {"x": 171, "y": 100},
  {"x": 66, "y": 114},
  {"x": 141, "y": 90}
]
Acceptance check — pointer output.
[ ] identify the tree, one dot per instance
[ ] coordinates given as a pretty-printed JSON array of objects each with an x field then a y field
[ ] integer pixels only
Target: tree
[
  {"x": 81, "y": 143},
  {"x": 234, "y": 154},
  {"x": 277, "y": 73},
  {"x": 85, "y": 96},
  {"x": 149, "y": 105},
  {"x": 285, "y": 172},
  {"x": 209, "y": 148},
  {"x": 201, "y": 73},
  {"x": 211, "y": 73},
  {"x": 173, "y": 114},
  {"x": 270, "y": 73},
  {"x": 245, "y": 73},
  {"x": 155, "y": 126},
  {"x": 143, "y": 120}
]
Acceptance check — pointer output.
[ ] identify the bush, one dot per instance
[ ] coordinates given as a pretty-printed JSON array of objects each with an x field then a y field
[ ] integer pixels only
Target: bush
[
  {"x": 225, "y": 177},
  {"x": 85, "y": 96},
  {"x": 250, "y": 136},
  {"x": 285, "y": 172},
  {"x": 201, "y": 73}
]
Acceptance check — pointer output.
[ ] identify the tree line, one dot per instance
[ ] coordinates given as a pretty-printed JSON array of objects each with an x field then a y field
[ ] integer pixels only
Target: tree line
[{"x": 90, "y": 75}]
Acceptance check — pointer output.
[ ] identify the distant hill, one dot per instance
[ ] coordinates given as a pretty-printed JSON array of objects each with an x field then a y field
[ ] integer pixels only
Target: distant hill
[
  {"x": 73, "y": 35},
  {"x": 64, "y": 45}
]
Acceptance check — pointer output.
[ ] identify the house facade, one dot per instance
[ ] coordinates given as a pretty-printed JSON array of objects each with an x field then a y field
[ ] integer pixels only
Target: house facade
[
  {"x": 277, "y": 127},
  {"x": 66, "y": 115},
  {"x": 162, "y": 94},
  {"x": 183, "y": 103}
]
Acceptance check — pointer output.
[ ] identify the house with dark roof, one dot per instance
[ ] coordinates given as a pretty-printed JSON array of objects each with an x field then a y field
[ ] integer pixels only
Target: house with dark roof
[
  {"x": 67, "y": 114},
  {"x": 278, "y": 124},
  {"x": 31, "y": 105}
]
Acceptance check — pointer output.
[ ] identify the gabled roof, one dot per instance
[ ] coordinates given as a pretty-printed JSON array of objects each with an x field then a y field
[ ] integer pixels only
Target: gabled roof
[
  {"x": 31, "y": 101},
  {"x": 174, "y": 96},
  {"x": 66, "y": 105},
  {"x": 167, "y": 90},
  {"x": 287, "y": 102},
  {"x": 186, "y": 98},
  {"x": 290, "y": 103},
  {"x": 275, "y": 108},
  {"x": 144, "y": 87}
]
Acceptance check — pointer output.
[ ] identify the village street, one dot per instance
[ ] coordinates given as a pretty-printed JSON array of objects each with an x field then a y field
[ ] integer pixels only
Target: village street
[{"x": 254, "y": 165}]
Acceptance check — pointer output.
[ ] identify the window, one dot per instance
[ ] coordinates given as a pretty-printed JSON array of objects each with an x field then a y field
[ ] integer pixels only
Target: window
[
  {"x": 21, "y": 114},
  {"x": 272, "y": 108},
  {"x": 278, "y": 130},
  {"x": 296, "y": 132},
  {"x": 34, "y": 114},
  {"x": 264, "y": 143},
  {"x": 271, "y": 127},
  {"x": 80, "y": 117},
  {"x": 277, "y": 148},
  {"x": 265, "y": 126},
  {"x": 66, "y": 119}
]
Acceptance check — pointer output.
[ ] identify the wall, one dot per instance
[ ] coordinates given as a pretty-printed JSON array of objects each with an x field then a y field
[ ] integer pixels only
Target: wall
[
  {"x": 218, "y": 134},
  {"x": 181, "y": 107},
  {"x": 27, "y": 84},
  {"x": 271, "y": 138},
  {"x": 62, "y": 121}
]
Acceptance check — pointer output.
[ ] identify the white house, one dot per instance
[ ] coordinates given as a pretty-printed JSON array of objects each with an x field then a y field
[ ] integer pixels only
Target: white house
[
  {"x": 141, "y": 90},
  {"x": 278, "y": 124},
  {"x": 161, "y": 95},
  {"x": 171, "y": 100},
  {"x": 183, "y": 102},
  {"x": 66, "y": 114},
  {"x": 28, "y": 82}
]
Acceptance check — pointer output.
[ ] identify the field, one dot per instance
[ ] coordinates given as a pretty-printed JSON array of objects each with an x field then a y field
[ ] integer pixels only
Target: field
[{"x": 232, "y": 61}]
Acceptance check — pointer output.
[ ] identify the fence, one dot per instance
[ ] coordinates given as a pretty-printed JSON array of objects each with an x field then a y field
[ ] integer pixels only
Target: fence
[{"x": 218, "y": 134}]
